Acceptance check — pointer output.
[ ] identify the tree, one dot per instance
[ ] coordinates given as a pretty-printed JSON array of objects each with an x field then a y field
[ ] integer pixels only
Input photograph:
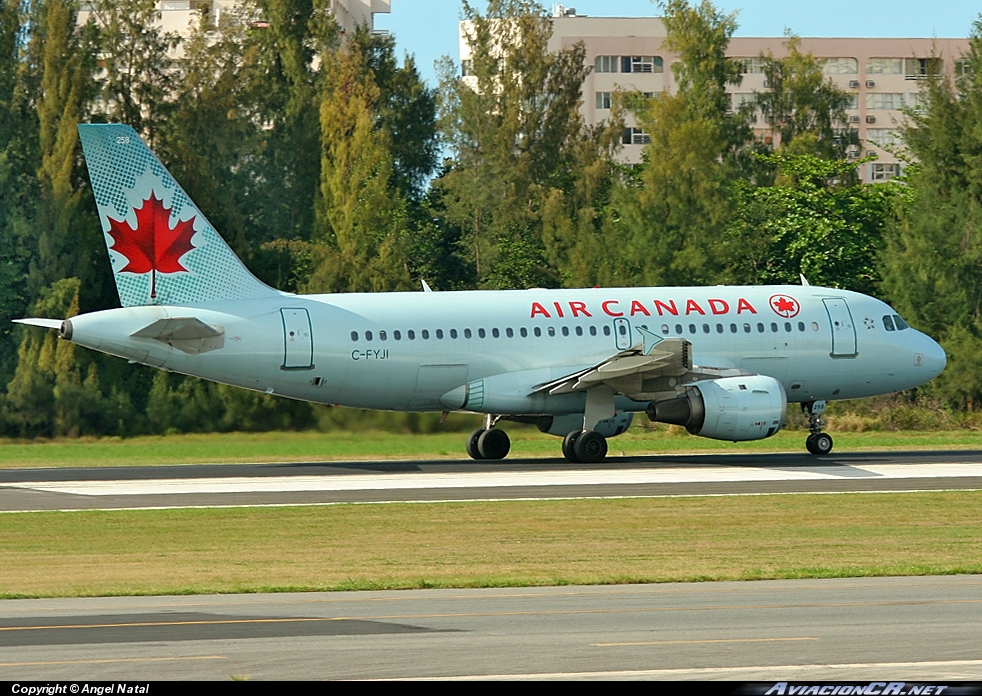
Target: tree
[
  {"x": 513, "y": 126},
  {"x": 136, "y": 54},
  {"x": 932, "y": 265},
  {"x": 810, "y": 223},
  {"x": 806, "y": 111},
  {"x": 670, "y": 212},
  {"x": 361, "y": 223}
]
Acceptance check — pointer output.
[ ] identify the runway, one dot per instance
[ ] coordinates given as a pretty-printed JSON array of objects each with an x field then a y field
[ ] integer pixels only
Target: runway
[
  {"x": 345, "y": 482},
  {"x": 847, "y": 629}
]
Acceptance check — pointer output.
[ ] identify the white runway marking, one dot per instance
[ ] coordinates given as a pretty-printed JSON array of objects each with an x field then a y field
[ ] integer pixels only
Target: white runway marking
[{"x": 486, "y": 479}]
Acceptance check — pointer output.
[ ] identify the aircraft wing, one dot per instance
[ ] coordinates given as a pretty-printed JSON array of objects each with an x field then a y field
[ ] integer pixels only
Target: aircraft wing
[{"x": 648, "y": 371}]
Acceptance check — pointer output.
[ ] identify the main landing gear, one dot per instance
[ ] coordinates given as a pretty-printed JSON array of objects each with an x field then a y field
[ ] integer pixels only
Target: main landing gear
[
  {"x": 818, "y": 442},
  {"x": 586, "y": 446},
  {"x": 488, "y": 442}
]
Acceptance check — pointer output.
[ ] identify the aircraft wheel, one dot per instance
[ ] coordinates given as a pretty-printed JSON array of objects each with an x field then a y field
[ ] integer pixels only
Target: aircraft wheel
[
  {"x": 590, "y": 447},
  {"x": 493, "y": 444},
  {"x": 472, "y": 449},
  {"x": 569, "y": 443},
  {"x": 819, "y": 443}
]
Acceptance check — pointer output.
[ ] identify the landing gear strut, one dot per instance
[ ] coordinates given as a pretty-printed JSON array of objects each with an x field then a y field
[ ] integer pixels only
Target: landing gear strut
[
  {"x": 488, "y": 442},
  {"x": 818, "y": 442}
]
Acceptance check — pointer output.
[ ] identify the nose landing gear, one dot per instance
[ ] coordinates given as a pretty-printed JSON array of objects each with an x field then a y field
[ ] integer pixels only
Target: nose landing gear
[{"x": 818, "y": 442}]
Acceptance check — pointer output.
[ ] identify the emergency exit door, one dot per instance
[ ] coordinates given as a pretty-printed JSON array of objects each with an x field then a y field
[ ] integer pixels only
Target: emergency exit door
[{"x": 298, "y": 340}]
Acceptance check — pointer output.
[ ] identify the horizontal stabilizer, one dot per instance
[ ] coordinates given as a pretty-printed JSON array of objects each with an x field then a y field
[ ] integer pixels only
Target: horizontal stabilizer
[
  {"x": 186, "y": 334},
  {"x": 44, "y": 323}
]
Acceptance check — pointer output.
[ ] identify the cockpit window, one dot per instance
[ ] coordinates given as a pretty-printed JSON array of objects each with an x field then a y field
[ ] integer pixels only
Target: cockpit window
[
  {"x": 901, "y": 324},
  {"x": 888, "y": 323}
]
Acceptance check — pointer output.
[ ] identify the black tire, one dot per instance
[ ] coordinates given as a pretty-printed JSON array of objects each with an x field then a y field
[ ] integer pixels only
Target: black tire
[
  {"x": 569, "y": 443},
  {"x": 493, "y": 444},
  {"x": 823, "y": 443},
  {"x": 590, "y": 447},
  {"x": 472, "y": 449},
  {"x": 810, "y": 444}
]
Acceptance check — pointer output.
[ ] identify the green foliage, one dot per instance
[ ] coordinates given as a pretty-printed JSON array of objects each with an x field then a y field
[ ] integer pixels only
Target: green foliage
[
  {"x": 516, "y": 135},
  {"x": 805, "y": 110},
  {"x": 809, "y": 223}
]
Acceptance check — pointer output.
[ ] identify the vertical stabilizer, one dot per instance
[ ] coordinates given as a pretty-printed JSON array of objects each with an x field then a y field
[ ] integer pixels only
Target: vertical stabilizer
[{"x": 162, "y": 249}]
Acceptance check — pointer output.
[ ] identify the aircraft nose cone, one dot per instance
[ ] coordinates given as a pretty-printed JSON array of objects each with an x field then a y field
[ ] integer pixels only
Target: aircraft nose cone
[{"x": 934, "y": 358}]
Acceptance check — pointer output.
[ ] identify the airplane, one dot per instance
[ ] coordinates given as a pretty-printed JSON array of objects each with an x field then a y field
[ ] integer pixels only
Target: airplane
[{"x": 722, "y": 361}]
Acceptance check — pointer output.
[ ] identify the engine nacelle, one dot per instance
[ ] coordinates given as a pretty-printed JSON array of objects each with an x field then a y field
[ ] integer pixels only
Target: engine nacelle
[
  {"x": 730, "y": 408},
  {"x": 563, "y": 425}
]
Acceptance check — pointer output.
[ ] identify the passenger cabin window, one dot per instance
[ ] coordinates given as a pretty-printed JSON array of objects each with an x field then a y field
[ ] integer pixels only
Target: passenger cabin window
[
  {"x": 733, "y": 328},
  {"x": 664, "y": 329},
  {"x": 801, "y": 326},
  {"x": 593, "y": 330},
  {"x": 692, "y": 328},
  {"x": 495, "y": 333},
  {"x": 411, "y": 335},
  {"x": 509, "y": 333},
  {"x": 537, "y": 331},
  {"x": 565, "y": 331},
  {"x": 705, "y": 328},
  {"x": 467, "y": 333},
  {"x": 524, "y": 332},
  {"x": 552, "y": 331},
  {"x": 606, "y": 331},
  {"x": 354, "y": 335},
  {"x": 746, "y": 328},
  {"x": 453, "y": 333},
  {"x": 760, "y": 328},
  {"x": 368, "y": 335},
  {"x": 787, "y": 326},
  {"x": 719, "y": 328},
  {"x": 888, "y": 323},
  {"x": 425, "y": 334},
  {"x": 678, "y": 329},
  {"x": 397, "y": 335},
  {"x": 481, "y": 333},
  {"x": 579, "y": 330},
  {"x": 439, "y": 333},
  {"x": 382, "y": 336}
]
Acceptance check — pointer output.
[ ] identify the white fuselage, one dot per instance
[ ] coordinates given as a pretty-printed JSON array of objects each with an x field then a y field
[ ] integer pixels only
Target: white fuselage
[{"x": 402, "y": 351}]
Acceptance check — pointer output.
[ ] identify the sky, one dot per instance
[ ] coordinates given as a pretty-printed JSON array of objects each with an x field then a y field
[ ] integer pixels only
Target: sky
[{"x": 427, "y": 29}]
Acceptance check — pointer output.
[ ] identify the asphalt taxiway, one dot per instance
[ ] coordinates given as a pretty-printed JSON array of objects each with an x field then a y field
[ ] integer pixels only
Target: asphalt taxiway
[
  {"x": 341, "y": 482},
  {"x": 923, "y": 628}
]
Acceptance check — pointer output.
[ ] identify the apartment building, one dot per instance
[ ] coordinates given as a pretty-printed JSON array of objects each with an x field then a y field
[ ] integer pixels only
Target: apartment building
[
  {"x": 179, "y": 15},
  {"x": 884, "y": 76}
]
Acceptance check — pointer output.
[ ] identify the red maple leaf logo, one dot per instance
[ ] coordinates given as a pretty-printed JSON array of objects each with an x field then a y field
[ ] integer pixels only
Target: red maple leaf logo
[
  {"x": 153, "y": 246},
  {"x": 785, "y": 306}
]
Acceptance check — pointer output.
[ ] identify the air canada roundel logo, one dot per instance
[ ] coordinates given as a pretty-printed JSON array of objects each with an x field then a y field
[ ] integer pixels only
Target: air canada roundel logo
[{"x": 785, "y": 306}]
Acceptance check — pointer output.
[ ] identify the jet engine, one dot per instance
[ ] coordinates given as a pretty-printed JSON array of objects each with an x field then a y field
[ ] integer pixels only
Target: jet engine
[{"x": 748, "y": 407}]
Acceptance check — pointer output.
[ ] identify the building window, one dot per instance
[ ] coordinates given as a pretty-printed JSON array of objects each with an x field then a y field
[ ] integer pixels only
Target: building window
[
  {"x": 920, "y": 68},
  {"x": 603, "y": 100},
  {"x": 736, "y": 100},
  {"x": 882, "y": 137},
  {"x": 885, "y": 100},
  {"x": 751, "y": 66},
  {"x": 466, "y": 68},
  {"x": 606, "y": 64},
  {"x": 841, "y": 66},
  {"x": 853, "y": 102},
  {"x": 880, "y": 171},
  {"x": 635, "y": 136},
  {"x": 964, "y": 66},
  {"x": 885, "y": 66},
  {"x": 642, "y": 64}
]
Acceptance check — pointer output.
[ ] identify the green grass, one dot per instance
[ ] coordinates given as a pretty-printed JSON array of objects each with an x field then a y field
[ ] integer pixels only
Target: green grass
[
  {"x": 488, "y": 544},
  {"x": 315, "y": 446}
]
